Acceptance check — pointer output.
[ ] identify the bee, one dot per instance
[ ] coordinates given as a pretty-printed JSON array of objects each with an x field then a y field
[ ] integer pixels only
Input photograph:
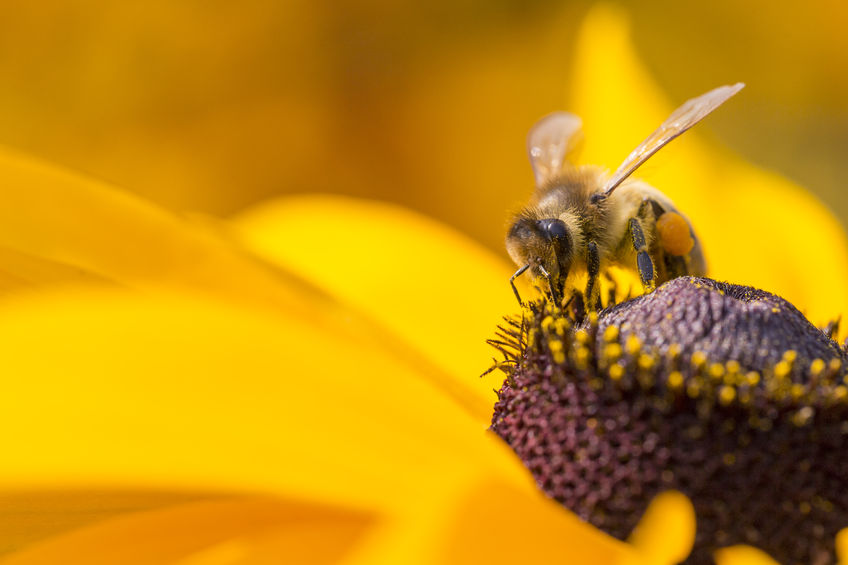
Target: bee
[{"x": 580, "y": 219}]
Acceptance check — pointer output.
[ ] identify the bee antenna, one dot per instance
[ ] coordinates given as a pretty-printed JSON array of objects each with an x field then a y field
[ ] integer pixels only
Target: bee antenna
[{"x": 518, "y": 273}]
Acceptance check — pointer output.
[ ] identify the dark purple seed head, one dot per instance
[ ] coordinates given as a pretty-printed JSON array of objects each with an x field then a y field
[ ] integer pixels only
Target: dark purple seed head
[{"x": 722, "y": 392}]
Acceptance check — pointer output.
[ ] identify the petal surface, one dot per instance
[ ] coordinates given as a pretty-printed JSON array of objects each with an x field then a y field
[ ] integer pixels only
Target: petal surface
[
  {"x": 666, "y": 532},
  {"x": 743, "y": 555},
  {"x": 220, "y": 532},
  {"x": 171, "y": 391},
  {"x": 56, "y": 225},
  {"x": 756, "y": 227},
  {"x": 119, "y": 386},
  {"x": 436, "y": 289}
]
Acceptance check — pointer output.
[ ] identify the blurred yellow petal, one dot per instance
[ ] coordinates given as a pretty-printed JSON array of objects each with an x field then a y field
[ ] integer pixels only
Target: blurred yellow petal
[
  {"x": 842, "y": 546},
  {"x": 743, "y": 555},
  {"x": 21, "y": 271},
  {"x": 27, "y": 516},
  {"x": 73, "y": 223},
  {"x": 489, "y": 521},
  {"x": 666, "y": 532},
  {"x": 223, "y": 532},
  {"x": 179, "y": 389},
  {"x": 426, "y": 283},
  {"x": 172, "y": 391},
  {"x": 756, "y": 227}
]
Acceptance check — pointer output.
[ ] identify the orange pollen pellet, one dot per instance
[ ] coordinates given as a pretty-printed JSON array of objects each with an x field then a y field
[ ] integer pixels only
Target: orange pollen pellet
[{"x": 674, "y": 234}]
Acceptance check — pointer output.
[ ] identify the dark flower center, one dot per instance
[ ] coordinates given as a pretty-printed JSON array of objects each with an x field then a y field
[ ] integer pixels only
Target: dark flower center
[{"x": 722, "y": 392}]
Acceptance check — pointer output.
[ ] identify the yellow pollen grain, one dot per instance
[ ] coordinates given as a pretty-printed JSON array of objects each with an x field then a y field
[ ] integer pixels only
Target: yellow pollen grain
[
  {"x": 816, "y": 367},
  {"x": 790, "y": 355},
  {"x": 612, "y": 351},
  {"x": 752, "y": 378},
  {"x": 797, "y": 391},
  {"x": 547, "y": 322},
  {"x": 645, "y": 362},
  {"x": 582, "y": 356},
  {"x": 674, "y": 350},
  {"x": 616, "y": 372},
  {"x": 693, "y": 389},
  {"x": 840, "y": 392},
  {"x": 782, "y": 369},
  {"x": 675, "y": 380},
  {"x": 561, "y": 326},
  {"x": 699, "y": 359},
  {"x": 732, "y": 366},
  {"x": 775, "y": 310},
  {"x": 728, "y": 459},
  {"x": 582, "y": 337},
  {"x": 593, "y": 318},
  {"x": 611, "y": 333},
  {"x": 835, "y": 364},
  {"x": 805, "y": 507},
  {"x": 633, "y": 345},
  {"x": 726, "y": 395},
  {"x": 555, "y": 345},
  {"x": 559, "y": 357},
  {"x": 716, "y": 371},
  {"x": 803, "y": 416}
]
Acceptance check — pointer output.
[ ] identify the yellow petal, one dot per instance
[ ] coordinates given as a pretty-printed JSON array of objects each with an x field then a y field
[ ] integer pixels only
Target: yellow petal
[
  {"x": 430, "y": 285},
  {"x": 743, "y": 555},
  {"x": 666, "y": 532},
  {"x": 168, "y": 391},
  {"x": 222, "y": 532},
  {"x": 21, "y": 271},
  {"x": 487, "y": 521},
  {"x": 842, "y": 546},
  {"x": 29, "y": 516},
  {"x": 116, "y": 387},
  {"x": 756, "y": 227},
  {"x": 70, "y": 222}
]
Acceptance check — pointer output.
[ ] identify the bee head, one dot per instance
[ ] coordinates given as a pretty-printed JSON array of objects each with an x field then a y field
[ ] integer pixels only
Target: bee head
[{"x": 545, "y": 245}]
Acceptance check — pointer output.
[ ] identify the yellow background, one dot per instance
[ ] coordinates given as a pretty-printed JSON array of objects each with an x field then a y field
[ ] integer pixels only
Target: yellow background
[{"x": 212, "y": 106}]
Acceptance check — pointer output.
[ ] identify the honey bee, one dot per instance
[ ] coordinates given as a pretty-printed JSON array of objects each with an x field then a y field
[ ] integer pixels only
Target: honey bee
[{"x": 580, "y": 219}]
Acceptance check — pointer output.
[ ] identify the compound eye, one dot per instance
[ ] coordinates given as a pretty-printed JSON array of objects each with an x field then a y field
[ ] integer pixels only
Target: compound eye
[
  {"x": 523, "y": 229},
  {"x": 554, "y": 229}
]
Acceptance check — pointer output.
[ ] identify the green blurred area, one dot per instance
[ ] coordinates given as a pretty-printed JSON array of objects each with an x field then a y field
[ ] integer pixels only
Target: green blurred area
[{"x": 212, "y": 106}]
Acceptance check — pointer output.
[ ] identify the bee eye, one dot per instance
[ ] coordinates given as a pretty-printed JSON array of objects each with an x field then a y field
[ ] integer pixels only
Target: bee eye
[
  {"x": 554, "y": 229},
  {"x": 523, "y": 229}
]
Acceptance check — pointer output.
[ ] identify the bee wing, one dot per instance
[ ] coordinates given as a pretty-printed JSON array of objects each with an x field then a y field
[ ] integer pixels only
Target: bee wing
[
  {"x": 549, "y": 141},
  {"x": 689, "y": 114}
]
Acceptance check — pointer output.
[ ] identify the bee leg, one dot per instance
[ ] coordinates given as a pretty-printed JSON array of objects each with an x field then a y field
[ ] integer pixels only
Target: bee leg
[
  {"x": 612, "y": 288},
  {"x": 673, "y": 266},
  {"x": 518, "y": 273},
  {"x": 593, "y": 266},
  {"x": 551, "y": 286},
  {"x": 644, "y": 263}
]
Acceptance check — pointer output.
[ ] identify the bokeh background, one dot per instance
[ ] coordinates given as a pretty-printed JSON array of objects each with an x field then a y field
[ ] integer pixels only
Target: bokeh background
[{"x": 212, "y": 106}]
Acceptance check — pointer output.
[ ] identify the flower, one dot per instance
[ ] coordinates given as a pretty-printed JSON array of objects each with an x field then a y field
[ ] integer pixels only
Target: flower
[
  {"x": 294, "y": 383},
  {"x": 724, "y": 393}
]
